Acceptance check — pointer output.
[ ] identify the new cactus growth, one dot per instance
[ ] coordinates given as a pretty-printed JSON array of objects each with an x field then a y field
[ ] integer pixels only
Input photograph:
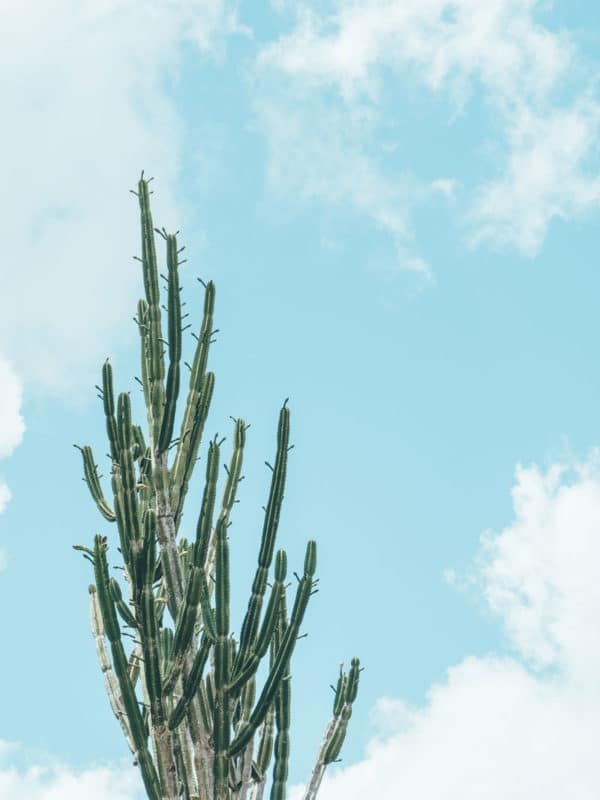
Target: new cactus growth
[{"x": 197, "y": 719}]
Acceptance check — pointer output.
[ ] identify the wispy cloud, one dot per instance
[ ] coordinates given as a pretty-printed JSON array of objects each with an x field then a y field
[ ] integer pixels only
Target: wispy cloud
[
  {"x": 86, "y": 108},
  {"x": 523, "y": 726},
  {"x": 540, "y": 96},
  {"x": 317, "y": 152}
]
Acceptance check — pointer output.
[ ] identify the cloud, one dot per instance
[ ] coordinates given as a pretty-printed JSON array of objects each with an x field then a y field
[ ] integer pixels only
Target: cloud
[
  {"x": 541, "y": 574},
  {"x": 316, "y": 152},
  {"x": 86, "y": 108},
  {"x": 545, "y": 176},
  {"x": 524, "y": 726},
  {"x": 59, "y": 782},
  {"x": 445, "y": 40},
  {"x": 12, "y": 427},
  {"x": 543, "y": 115}
]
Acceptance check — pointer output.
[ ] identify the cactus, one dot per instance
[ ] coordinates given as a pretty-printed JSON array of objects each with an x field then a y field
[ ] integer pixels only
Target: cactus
[{"x": 186, "y": 693}]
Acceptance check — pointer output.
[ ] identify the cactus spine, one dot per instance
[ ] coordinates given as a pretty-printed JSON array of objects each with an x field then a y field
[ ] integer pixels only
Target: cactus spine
[{"x": 185, "y": 691}]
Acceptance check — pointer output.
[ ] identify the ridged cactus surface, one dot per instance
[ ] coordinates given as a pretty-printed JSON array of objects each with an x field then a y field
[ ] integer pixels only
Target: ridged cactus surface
[{"x": 186, "y": 693}]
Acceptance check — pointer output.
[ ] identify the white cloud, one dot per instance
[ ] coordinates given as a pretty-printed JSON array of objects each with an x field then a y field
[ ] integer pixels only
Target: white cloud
[
  {"x": 60, "y": 782},
  {"x": 86, "y": 107},
  {"x": 545, "y": 120},
  {"x": 525, "y": 726},
  {"x": 12, "y": 427},
  {"x": 541, "y": 574},
  {"x": 544, "y": 178},
  {"x": 497, "y": 41}
]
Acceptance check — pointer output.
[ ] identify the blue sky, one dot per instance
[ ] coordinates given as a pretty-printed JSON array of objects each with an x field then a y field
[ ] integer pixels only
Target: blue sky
[{"x": 398, "y": 203}]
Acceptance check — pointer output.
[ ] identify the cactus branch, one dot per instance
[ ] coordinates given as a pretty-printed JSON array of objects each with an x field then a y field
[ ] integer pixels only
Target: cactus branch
[
  {"x": 112, "y": 685},
  {"x": 335, "y": 732}
]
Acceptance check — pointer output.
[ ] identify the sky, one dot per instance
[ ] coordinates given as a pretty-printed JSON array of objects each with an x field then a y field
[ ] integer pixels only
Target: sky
[{"x": 398, "y": 201}]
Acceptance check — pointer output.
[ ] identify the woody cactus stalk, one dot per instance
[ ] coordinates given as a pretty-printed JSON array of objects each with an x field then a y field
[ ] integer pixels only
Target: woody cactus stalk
[{"x": 183, "y": 689}]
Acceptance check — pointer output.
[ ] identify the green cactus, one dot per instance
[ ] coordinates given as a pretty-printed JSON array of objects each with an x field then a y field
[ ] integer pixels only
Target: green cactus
[{"x": 186, "y": 694}]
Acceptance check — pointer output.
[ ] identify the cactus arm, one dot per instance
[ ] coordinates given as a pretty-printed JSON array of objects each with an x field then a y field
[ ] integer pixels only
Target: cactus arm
[
  {"x": 122, "y": 525},
  {"x": 267, "y": 628},
  {"x": 265, "y": 751},
  {"x": 184, "y": 631},
  {"x": 125, "y": 489},
  {"x": 110, "y": 680},
  {"x": 147, "y": 620},
  {"x": 208, "y": 617},
  {"x": 91, "y": 477},
  {"x": 282, "y": 741},
  {"x": 265, "y": 746},
  {"x": 222, "y": 650},
  {"x": 166, "y": 650},
  {"x": 284, "y": 652},
  {"x": 269, "y": 533},
  {"x": 108, "y": 404},
  {"x": 335, "y": 733},
  {"x": 206, "y": 698},
  {"x": 274, "y": 606},
  {"x": 245, "y": 766},
  {"x": 170, "y": 561},
  {"x": 153, "y": 372},
  {"x": 139, "y": 441},
  {"x": 155, "y": 358},
  {"x": 282, "y": 718},
  {"x": 174, "y": 316},
  {"x": 203, "y": 528},
  {"x": 194, "y": 436},
  {"x": 191, "y": 683},
  {"x": 318, "y": 770},
  {"x": 197, "y": 590},
  {"x": 151, "y": 652},
  {"x": 133, "y": 664},
  {"x": 130, "y": 703},
  {"x": 121, "y": 606},
  {"x": 195, "y": 392},
  {"x": 144, "y": 331},
  {"x": 126, "y": 481},
  {"x": 350, "y": 691}
]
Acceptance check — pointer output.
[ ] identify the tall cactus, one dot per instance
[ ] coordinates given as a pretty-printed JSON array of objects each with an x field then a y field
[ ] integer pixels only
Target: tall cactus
[{"x": 183, "y": 689}]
